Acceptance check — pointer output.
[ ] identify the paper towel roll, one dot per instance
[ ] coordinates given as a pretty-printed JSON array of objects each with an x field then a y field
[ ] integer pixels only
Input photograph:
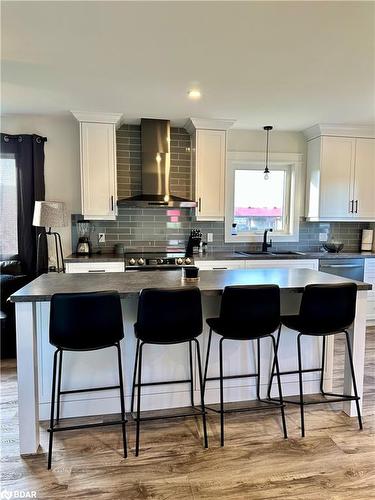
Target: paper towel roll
[{"x": 367, "y": 239}]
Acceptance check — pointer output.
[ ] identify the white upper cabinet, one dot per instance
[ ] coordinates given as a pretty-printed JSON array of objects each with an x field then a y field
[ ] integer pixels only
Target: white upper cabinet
[
  {"x": 364, "y": 180},
  {"x": 98, "y": 164},
  {"x": 209, "y": 146},
  {"x": 340, "y": 179}
]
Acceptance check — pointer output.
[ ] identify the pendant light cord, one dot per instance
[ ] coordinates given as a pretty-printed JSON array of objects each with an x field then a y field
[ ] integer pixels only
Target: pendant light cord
[{"x": 267, "y": 128}]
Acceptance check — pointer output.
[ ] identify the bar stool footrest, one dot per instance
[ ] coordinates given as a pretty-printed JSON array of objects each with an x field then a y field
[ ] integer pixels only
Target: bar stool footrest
[
  {"x": 91, "y": 389},
  {"x": 292, "y": 372},
  {"x": 86, "y": 426},
  {"x": 160, "y": 416},
  {"x": 319, "y": 398},
  {"x": 231, "y": 377},
  {"x": 255, "y": 405}
]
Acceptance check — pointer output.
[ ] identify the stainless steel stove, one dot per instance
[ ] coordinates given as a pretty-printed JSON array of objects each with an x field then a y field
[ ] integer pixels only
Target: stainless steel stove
[{"x": 156, "y": 261}]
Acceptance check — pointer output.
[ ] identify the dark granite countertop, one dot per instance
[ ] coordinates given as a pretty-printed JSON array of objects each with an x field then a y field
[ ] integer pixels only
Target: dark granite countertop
[
  {"x": 211, "y": 282},
  {"x": 301, "y": 255},
  {"x": 110, "y": 257},
  {"x": 95, "y": 257}
]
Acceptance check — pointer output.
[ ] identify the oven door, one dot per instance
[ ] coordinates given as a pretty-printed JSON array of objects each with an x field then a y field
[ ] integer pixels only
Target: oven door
[{"x": 142, "y": 269}]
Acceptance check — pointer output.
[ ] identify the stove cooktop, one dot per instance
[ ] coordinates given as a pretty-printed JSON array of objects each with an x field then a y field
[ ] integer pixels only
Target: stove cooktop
[{"x": 157, "y": 260}]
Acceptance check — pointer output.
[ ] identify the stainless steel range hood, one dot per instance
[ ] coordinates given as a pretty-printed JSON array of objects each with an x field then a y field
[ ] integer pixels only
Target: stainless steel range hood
[{"x": 156, "y": 164}]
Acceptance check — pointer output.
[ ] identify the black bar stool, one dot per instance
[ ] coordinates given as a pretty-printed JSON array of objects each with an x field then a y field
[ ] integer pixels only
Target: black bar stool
[
  {"x": 84, "y": 322},
  {"x": 168, "y": 316},
  {"x": 246, "y": 313},
  {"x": 325, "y": 310}
]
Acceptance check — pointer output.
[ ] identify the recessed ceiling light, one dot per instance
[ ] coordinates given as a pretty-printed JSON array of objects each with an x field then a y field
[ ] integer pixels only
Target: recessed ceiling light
[{"x": 194, "y": 94}]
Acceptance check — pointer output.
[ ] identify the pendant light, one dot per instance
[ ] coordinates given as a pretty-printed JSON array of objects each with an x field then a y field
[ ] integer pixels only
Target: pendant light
[{"x": 267, "y": 128}]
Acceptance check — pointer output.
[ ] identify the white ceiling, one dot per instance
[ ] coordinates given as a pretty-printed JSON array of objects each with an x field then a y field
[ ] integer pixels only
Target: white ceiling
[{"x": 290, "y": 64}]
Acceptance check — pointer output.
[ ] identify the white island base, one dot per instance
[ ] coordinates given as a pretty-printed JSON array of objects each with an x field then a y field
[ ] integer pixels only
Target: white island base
[{"x": 161, "y": 363}]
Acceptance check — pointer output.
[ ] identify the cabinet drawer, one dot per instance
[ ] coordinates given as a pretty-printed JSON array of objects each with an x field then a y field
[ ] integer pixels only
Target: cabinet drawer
[
  {"x": 220, "y": 265},
  {"x": 95, "y": 267}
]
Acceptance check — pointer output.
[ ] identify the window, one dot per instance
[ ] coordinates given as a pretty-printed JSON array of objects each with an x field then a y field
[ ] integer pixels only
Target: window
[
  {"x": 8, "y": 208},
  {"x": 254, "y": 204},
  {"x": 260, "y": 204}
]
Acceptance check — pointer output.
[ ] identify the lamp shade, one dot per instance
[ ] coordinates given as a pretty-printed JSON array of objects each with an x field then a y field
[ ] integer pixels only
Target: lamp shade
[{"x": 50, "y": 214}]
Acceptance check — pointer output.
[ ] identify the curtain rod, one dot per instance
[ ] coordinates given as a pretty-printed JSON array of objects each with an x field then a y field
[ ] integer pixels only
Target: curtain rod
[{"x": 8, "y": 138}]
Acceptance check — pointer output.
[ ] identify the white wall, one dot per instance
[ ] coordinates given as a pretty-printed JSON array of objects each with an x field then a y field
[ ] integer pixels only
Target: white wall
[
  {"x": 254, "y": 141},
  {"x": 62, "y": 174}
]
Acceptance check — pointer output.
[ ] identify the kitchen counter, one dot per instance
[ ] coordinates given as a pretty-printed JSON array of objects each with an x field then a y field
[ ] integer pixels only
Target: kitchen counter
[
  {"x": 93, "y": 368},
  {"x": 208, "y": 256},
  {"x": 212, "y": 282}
]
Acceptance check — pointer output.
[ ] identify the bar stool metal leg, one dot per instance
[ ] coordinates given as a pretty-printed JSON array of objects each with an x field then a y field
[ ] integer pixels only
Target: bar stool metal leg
[
  {"x": 221, "y": 392},
  {"x": 138, "y": 420},
  {"x": 353, "y": 379},
  {"x": 191, "y": 374},
  {"x": 122, "y": 403},
  {"x": 59, "y": 387},
  {"x": 258, "y": 370},
  {"x": 272, "y": 374},
  {"x": 276, "y": 361},
  {"x": 323, "y": 364},
  {"x": 51, "y": 421},
  {"x": 134, "y": 376},
  {"x": 201, "y": 386},
  {"x": 301, "y": 402},
  {"x": 207, "y": 356}
]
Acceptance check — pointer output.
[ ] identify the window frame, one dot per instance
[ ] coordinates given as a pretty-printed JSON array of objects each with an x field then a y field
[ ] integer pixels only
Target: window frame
[{"x": 291, "y": 162}]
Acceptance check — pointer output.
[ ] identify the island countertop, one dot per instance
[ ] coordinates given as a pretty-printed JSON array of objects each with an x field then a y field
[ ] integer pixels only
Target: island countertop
[{"x": 211, "y": 282}]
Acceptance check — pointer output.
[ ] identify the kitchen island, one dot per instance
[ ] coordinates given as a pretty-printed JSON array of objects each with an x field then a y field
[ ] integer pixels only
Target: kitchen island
[{"x": 92, "y": 369}]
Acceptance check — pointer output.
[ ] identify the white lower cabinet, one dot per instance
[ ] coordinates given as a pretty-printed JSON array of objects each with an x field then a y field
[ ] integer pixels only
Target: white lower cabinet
[
  {"x": 94, "y": 267},
  {"x": 285, "y": 263},
  {"x": 369, "y": 277},
  {"x": 213, "y": 265}
]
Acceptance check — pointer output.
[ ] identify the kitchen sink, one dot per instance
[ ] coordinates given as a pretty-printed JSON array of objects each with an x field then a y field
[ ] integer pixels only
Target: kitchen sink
[
  {"x": 276, "y": 252},
  {"x": 289, "y": 252},
  {"x": 254, "y": 253}
]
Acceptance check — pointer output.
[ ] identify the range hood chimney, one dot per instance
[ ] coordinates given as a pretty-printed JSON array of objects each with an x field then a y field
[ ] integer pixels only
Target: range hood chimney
[{"x": 156, "y": 165}]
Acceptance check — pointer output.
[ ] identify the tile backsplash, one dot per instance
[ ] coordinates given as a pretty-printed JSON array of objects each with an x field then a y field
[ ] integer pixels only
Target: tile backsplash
[{"x": 156, "y": 229}]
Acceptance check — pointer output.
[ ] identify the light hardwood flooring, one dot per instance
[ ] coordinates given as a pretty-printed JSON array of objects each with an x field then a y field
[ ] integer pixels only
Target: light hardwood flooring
[{"x": 334, "y": 461}]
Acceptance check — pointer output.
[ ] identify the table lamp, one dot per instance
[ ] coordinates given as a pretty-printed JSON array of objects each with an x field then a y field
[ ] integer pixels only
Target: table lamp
[{"x": 50, "y": 214}]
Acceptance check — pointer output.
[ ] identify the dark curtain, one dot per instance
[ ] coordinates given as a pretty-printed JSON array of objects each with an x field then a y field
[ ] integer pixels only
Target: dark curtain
[{"x": 28, "y": 151}]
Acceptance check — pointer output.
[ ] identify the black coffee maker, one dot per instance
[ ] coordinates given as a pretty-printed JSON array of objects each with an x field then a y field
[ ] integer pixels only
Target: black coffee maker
[{"x": 194, "y": 241}]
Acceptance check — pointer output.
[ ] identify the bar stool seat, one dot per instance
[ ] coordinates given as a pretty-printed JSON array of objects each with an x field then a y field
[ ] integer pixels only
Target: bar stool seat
[
  {"x": 84, "y": 322},
  {"x": 168, "y": 316},
  {"x": 247, "y": 313},
  {"x": 325, "y": 310}
]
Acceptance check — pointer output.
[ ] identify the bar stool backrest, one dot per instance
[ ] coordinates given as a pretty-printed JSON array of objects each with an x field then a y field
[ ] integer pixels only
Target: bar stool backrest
[
  {"x": 85, "y": 321},
  {"x": 250, "y": 311},
  {"x": 169, "y": 315},
  {"x": 328, "y": 308}
]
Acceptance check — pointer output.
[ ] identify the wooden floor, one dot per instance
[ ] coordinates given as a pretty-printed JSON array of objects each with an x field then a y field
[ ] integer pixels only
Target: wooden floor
[{"x": 334, "y": 461}]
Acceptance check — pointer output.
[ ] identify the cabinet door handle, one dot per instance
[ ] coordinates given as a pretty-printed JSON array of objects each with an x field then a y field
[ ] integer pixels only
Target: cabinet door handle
[
  {"x": 199, "y": 204},
  {"x": 96, "y": 271},
  {"x": 356, "y": 206},
  {"x": 112, "y": 203},
  {"x": 219, "y": 268},
  {"x": 351, "y": 206}
]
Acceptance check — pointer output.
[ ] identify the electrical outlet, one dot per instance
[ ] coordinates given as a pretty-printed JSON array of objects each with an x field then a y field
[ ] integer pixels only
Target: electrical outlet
[
  {"x": 210, "y": 237},
  {"x": 101, "y": 237},
  {"x": 323, "y": 236}
]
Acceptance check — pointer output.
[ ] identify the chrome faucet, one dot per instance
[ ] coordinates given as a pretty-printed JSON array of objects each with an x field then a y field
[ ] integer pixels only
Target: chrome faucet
[{"x": 266, "y": 245}]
